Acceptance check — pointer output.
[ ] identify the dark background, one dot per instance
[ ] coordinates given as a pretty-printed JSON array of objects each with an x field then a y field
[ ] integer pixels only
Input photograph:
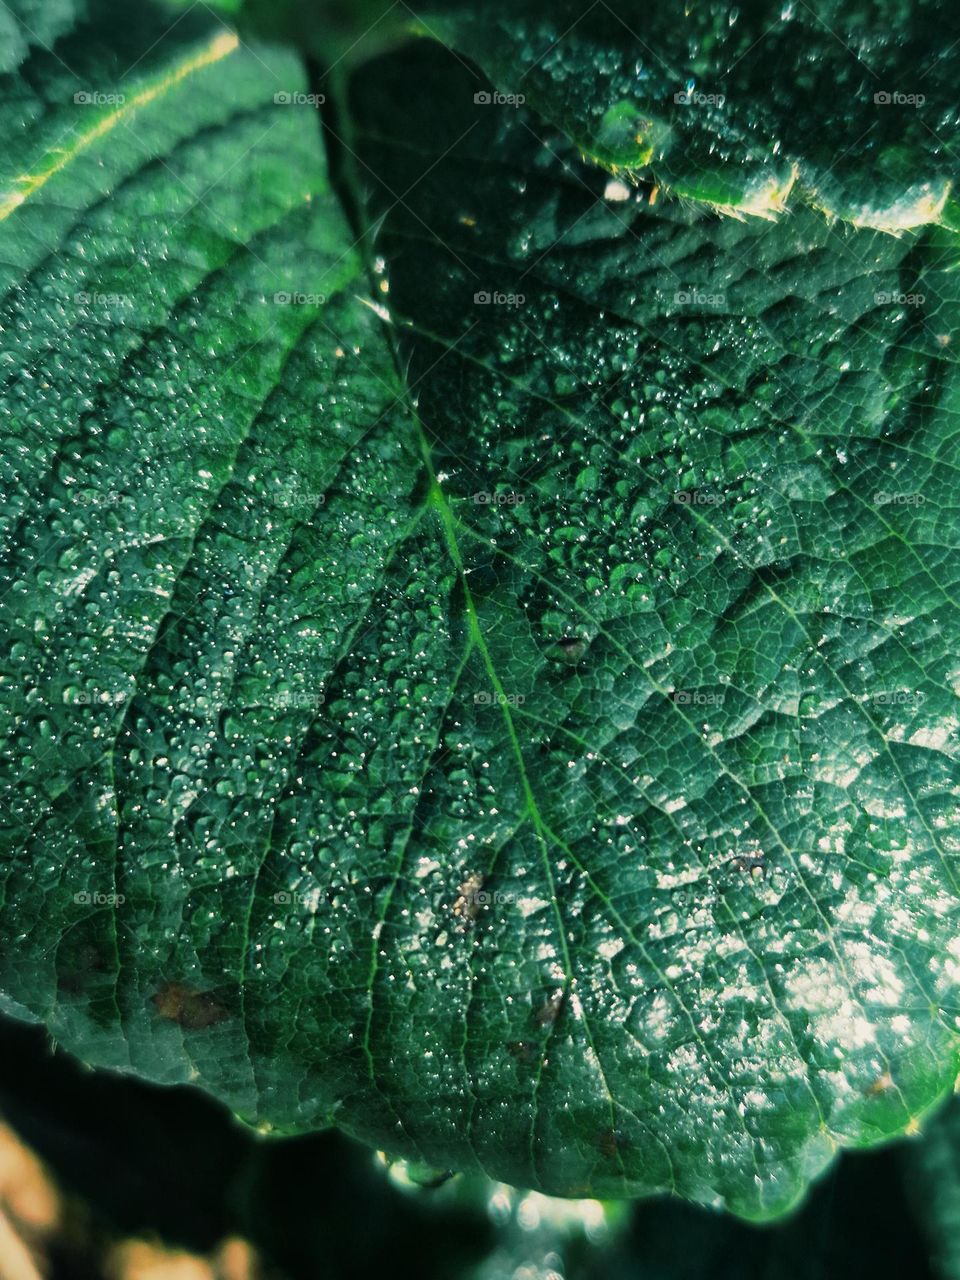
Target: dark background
[{"x": 173, "y": 1165}]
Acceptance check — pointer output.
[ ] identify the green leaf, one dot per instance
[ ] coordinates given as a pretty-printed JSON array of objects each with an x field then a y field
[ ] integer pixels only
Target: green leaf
[
  {"x": 190, "y": 383},
  {"x": 751, "y": 109},
  {"x": 33, "y": 24},
  {"x": 542, "y": 764},
  {"x": 712, "y": 590},
  {"x": 337, "y": 33}
]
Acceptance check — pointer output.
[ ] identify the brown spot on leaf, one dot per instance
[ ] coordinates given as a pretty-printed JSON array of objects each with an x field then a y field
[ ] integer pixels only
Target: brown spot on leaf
[
  {"x": 470, "y": 899},
  {"x": 191, "y": 1009},
  {"x": 568, "y": 649},
  {"x": 748, "y": 866},
  {"x": 880, "y": 1085},
  {"x": 525, "y": 1051},
  {"x": 548, "y": 1013},
  {"x": 610, "y": 1143}
]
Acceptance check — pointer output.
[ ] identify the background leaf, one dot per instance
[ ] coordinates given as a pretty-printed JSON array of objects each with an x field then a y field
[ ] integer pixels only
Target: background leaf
[{"x": 752, "y": 108}]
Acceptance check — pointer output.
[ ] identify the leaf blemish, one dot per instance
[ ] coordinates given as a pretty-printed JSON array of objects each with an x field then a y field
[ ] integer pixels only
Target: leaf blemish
[
  {"x": 524, "y": 1051},
  {"x": 880, "y": 1085},
  {"x": 470, "y": 898},
  {"x": 611, "y": 1143},
  {"x": 569, "y": 649},
  {"x": 190, "y": 1009},
  {"x": 548, "y": 1013},
  {"x": 752, "y": 866}
]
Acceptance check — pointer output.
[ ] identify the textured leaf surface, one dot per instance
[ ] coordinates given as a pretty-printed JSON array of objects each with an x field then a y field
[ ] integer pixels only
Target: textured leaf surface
[
  {"x": 187, "y": 382},
  {"x": 558, "y": 780},
  {"x": 751, "y": 108},
  {"x": 711, "y": 442}
]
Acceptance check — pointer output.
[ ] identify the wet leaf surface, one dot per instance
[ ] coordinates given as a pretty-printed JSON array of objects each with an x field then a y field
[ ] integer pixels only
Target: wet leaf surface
[{"x": 515, "y": 719}]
